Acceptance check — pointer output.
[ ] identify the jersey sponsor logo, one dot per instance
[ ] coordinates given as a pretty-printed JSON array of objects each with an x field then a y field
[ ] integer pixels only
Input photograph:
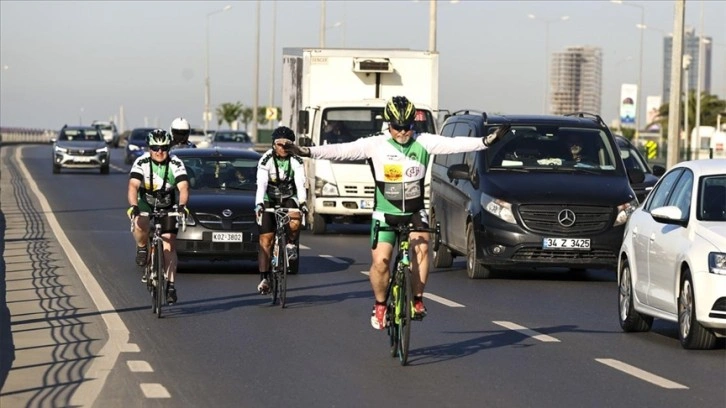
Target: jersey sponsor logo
[
  {"x": 412, "y": 190},
  {"x": 413, "y": 156},
  {"x": 392, "y": 172},
  {"x": 413, "y": 172},
  {"x": 393, "y": 192}
]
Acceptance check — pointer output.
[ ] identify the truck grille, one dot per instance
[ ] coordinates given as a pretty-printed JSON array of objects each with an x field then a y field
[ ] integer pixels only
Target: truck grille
[
  {"x": 359, "y": 189},
  {"x": 544, "y": 219}
]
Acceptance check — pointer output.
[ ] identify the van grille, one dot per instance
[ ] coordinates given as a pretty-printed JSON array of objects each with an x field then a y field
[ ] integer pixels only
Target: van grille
[
  {"x": 598, "y": 256},
  {"x": 588, "y": 219}
]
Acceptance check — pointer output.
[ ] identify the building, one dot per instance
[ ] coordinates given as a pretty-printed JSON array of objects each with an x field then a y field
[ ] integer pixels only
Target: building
[
  {"x": 690, "y": 47},
  {"x": 576, "y": 81}
]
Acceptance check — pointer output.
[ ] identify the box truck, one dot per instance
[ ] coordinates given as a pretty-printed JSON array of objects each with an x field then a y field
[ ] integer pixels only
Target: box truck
[{"x": 338, "y": 96}]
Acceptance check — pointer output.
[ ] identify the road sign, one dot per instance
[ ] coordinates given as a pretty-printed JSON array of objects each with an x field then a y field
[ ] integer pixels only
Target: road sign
[
  {"x": 271, "y": 113},
  {"x": 651, "y": 149}
]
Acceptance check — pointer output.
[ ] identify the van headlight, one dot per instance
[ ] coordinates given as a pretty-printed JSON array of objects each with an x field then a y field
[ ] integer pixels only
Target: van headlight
[
  {"x": 624, "y": 211},
  {"x": 499, "y": 208}
]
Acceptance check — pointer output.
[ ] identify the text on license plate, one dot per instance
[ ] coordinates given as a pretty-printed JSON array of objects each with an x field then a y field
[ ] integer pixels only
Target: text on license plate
[
  {"x": 566, "y": 243},
  {"x": 82, "y": 159},
  {"x": 226, "y": 237}
]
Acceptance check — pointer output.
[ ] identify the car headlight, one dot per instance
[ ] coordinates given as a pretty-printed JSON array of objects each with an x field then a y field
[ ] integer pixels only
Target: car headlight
[
  {"x": 60, "y": 150},
  {"x": 499, "y": 208},
  {"x": 324, "y": 188},
  {"x": 102, "y": 150},
  {"x": 717, "y": 263},
  {"x": 624, "y": 211},
  {"x": 133, "y": 147}
]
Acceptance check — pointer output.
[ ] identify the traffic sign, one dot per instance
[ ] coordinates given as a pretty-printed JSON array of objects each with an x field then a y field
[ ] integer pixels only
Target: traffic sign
[
  {"x": 271, "y": 113},
  {"x": 651, "y": 149}
]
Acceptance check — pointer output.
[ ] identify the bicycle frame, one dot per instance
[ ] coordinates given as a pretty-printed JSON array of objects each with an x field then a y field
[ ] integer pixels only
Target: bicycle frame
[{"x": 279, "y": 260}]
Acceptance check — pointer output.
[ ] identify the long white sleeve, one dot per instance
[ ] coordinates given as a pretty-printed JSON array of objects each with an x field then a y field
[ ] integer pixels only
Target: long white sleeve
[
  {"x": 437, "y": 144},
  {"x": 357, "y": 150}
]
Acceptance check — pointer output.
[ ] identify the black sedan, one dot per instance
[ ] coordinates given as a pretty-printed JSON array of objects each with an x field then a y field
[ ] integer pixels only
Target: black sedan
[
  {"x": 221, "y": 202},
  {"x": 136, "y": 144},
  {"x": 634, "y": 160}
]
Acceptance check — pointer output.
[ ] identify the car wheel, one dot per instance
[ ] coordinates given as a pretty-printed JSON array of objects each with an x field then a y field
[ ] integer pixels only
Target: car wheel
[
  {"x": 474, "y": 269},
  {"x": 56, "y": 169},
  {"x": 630, "y": 319},
  {"x": 104, "y": 169},
  {"x": 442, "y": 256},
  {"x": 690, "y": 332},
  {"x": 318, "y": 226}
]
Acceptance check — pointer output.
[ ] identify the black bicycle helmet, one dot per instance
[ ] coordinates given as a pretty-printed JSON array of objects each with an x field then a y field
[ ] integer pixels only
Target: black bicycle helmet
[
  {"x": 283, "y": 132},
  {"x": 158, "y": 137},
  {"x": 399, "y": 112}
]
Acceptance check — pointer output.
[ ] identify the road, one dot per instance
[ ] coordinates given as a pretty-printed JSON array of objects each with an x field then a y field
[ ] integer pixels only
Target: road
[{"x": 523, "y": 339}]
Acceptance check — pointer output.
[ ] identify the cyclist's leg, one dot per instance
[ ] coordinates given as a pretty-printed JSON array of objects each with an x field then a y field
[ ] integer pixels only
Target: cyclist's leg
[
  {"x": 267, "y": 234},
  {"x": 419, "y": 243}
]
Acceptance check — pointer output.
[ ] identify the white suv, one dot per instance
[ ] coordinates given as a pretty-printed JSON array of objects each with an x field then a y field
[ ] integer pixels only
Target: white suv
[{"x": 109, "y": 131}]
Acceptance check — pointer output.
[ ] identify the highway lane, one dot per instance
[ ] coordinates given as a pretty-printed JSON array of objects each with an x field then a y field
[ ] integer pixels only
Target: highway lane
[{"x": 521, "y": 339}]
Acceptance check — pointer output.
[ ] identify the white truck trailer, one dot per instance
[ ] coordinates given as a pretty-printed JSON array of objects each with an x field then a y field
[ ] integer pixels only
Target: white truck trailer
[{"x": 337, "y": 96}]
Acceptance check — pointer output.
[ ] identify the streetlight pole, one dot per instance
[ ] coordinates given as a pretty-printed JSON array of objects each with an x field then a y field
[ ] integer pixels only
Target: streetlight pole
[
  {"x": 639, "y": 95},
  {"x": 256, "y": 85},
  {"x": 547, "y": 23},
  {"x": 699, "y": 75},
  {"x": 674, "y": 110},
  {"x": 686, "y": 67},
  {"x": 272, "y": 70},
  {"x": 207, "y": 96}
]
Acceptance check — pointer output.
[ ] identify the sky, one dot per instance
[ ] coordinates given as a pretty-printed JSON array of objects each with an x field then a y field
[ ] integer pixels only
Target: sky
[{"x": 70, "y": 62}]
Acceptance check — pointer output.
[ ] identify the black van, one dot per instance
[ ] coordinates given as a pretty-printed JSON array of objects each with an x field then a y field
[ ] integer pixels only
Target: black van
[{"x": 552, "y": 193}]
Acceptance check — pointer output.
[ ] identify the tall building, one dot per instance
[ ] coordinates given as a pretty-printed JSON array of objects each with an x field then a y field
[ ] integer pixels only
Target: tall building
[
  {"x": 690, "y": 47},
  {"x": 576, "y": 80}
]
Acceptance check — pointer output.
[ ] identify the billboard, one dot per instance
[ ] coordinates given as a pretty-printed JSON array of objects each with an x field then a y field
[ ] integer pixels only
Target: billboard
[
  {"x": 628, "y": 104},
  {"x": 652, "y": 108}
]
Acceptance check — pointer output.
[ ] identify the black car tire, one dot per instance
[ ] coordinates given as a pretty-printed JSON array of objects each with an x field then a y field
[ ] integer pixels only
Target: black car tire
[
  {"x": 56, "y": 169},
  {"x": 692, "y": 335},
  {"x": 630, "y": 319},
  {"x": 442, "y": 256},
  {"x": 474, "y": 269},
  {"x": 105, "y": 169},
  {"x": 318, "y": 226}
]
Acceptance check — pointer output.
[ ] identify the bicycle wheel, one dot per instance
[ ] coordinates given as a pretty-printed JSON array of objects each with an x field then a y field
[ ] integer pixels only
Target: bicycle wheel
[
  {"x": 150, "y": 278},
  {"x": 274, "y": 271},
  {"x": 284, "y": 263},
  {"x": 404, "y": 318},
  {"x": 160, "y": 281},
  {"x": 391, "y": 327}
]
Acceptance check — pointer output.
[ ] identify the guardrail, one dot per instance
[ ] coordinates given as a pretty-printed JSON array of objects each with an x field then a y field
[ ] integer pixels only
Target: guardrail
[{"x": 28, "y": 136}]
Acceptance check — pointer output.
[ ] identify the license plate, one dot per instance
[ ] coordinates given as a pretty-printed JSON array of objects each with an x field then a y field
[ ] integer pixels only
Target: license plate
[
  {"x": 566, "y": 243},
  {"x": 226, "y": 237},
  {"x": 366, "y": 204},
  {"x": 82, "y": 159}
]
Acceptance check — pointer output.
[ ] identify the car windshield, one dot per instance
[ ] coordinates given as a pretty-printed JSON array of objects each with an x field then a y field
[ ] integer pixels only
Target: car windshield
[
  {"x": 79, "y": 135},
  {"x": 713, "y": 198},
  {"x": 140, "y": 134},
  {"x": 221, "y": 173},
  {"x": 342, "y": 125},
  {"x": 554, "y": 148},
  {"x": 239, "y": 137}
]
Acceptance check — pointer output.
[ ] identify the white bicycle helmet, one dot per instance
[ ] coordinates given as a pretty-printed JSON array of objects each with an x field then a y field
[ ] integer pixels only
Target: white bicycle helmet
[{"x": 180, "y": 130}]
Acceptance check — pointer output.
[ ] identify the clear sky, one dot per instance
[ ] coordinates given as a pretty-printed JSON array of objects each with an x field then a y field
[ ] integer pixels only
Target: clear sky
[{"x": 70, "y": 61}]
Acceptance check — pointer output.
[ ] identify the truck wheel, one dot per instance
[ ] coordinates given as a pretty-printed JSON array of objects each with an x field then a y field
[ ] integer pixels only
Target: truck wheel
[
  {"x": 318, "y": 226},
  {"x": 474, "y": 269}
]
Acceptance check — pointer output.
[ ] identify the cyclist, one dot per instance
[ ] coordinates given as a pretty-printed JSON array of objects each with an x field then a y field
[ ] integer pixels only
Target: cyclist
[
  {"x": 154, "y": 178},
  {"x": 399, "y": 157},
  {"x": 280, "y": 181},
  {"x": 180, "y": 130}
]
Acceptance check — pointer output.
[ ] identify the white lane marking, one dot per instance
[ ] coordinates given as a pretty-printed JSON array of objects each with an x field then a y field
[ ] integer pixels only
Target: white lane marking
[
  {"x": 331, "y": 258},
  {"x": 154, "y": 390},
  {"x": 121, "y": 169},
  {"x": 435, "y": 298},
  {"x": 641, "y": 374},
  {"x": 304, "y": 246},
  {"x": 527, "y": 332},
  {"x": 118, "y": 333},
  {"x": 130, "y": 348},
  {"x": 139, "y": 366}
]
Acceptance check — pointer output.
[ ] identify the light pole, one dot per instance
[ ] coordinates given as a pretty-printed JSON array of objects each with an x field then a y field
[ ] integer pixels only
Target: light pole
[
  {"x": 686, "y": 66},
  {"x": 547, "y": 23},
  {"x": 639, "y": 97},
  {"x": 272, "y": 70},
  {"x": 256, "y": 84},
  {"x": 207, "y": 98}
]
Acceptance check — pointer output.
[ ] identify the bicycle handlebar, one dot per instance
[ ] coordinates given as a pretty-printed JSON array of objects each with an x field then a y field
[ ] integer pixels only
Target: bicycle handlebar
[
  {"x": 274, "y": 210},
  {"x": 161, "y": 213},
  {"x": 406, "y": 228}
]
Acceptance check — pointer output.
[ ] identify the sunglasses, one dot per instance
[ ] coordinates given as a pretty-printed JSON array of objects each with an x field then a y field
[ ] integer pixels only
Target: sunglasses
[
  {"x": 159, "y": 148},
  {"x": 401, "y": 128}
]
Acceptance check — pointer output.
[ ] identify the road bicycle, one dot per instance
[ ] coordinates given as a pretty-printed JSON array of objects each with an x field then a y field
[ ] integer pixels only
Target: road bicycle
[
  {"x": 399, "y": 293},
  {"x": 154, "y": 272},
  {"x": 280, "y": 264}
]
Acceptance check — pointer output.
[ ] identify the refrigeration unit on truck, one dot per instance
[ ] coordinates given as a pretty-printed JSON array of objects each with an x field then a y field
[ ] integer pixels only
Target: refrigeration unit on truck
[{"x": 338, "y": 96}]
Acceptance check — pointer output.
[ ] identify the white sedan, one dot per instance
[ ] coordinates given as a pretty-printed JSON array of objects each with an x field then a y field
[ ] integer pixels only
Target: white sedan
[{"x": 672, "y": 263}]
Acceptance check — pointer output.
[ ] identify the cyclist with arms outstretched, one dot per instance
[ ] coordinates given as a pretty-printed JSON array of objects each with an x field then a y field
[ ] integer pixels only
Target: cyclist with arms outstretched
[
  {"x": 399, "y": 158},
  {"x": 154, "y": 180}
]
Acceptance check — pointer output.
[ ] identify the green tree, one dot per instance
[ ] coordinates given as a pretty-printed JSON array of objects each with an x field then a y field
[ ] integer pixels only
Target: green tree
[
  {"x": 711, "y": 106},
  {"x": 229, "y": 112},
  {"x": 246, "y": 116}
]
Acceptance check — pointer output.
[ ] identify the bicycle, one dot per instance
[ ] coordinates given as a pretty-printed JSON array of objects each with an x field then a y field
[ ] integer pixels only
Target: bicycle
[
  {"x": 154, "y": 273},
  {"x": 399, "y": 293},
  {"x": 279, "y": 270}
]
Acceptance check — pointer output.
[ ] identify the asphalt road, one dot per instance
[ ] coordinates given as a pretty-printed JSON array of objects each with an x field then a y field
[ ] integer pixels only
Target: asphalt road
[{"x": 523, "y": 339}]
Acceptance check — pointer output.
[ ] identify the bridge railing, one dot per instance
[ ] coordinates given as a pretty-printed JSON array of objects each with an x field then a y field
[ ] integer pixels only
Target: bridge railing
[{"x": 19, "y": 135}]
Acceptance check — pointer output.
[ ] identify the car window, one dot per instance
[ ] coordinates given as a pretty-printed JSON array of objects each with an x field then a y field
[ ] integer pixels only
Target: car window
[
  {"x": 662, "y": 191},
  {"x": 80, "y": 134},
  {"x": 681, "y": 196},
  {"x": 712, "y": 200},
  {"x": 461, "y": 129},
  {"x": 221, "y": 173}
]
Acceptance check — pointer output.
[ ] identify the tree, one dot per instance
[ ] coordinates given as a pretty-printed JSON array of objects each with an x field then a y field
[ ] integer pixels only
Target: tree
[
  {"x": 711, "y": 106},
  {"x": 229, "y": 112},
  {"x": 246, "y": 116}
]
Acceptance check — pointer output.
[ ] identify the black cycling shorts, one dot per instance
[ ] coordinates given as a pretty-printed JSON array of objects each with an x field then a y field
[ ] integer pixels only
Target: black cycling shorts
[
  {"x": 268, "y": 219},
  {"x": 419, "y": 219}
]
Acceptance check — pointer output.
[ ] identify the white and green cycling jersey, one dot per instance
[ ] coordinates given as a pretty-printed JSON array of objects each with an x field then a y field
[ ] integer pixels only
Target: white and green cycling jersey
[
  {"x": 398, "y": 170},
  {"x": 158, "y": 180}
]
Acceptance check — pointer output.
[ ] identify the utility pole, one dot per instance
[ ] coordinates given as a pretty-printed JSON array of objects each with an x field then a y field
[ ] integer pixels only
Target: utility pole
[{"x": 674, "y": 110}]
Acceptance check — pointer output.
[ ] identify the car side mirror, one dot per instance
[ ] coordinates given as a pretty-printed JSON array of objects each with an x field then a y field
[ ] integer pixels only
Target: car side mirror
[
  {"x": 458, "y": 172},
  {"x": 658, "y": 170},
  {"x": 636, "y": 176}
]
